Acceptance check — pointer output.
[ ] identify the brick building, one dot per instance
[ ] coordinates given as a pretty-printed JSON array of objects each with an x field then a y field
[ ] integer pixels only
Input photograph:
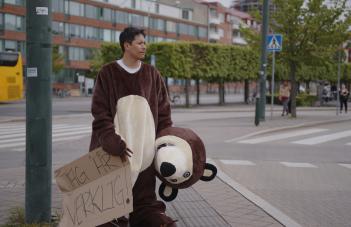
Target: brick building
[{"x": 80, "y": 26}]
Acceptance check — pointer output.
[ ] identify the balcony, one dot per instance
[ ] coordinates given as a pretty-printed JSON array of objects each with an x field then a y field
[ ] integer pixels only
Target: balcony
[
  {"x": 214, "y": 35},
  {"x": 239, "y": 40},
  {"x": 214, "y": 20}
]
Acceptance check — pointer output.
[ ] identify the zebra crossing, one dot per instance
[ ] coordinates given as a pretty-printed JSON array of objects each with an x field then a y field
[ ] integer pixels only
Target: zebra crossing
[
  {"x": 310, "y": 136},
  {"x": 247, "y": 163},
  {"x": 13, "y": 136}
]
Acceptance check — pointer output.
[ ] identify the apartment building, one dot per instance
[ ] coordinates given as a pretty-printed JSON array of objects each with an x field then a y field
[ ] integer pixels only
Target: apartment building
[
  {"x": 80, "y": 26},
  {"x": 225, "y": 24}
]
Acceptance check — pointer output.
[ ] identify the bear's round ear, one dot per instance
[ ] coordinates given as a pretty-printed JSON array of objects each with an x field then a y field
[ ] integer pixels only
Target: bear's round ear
[
  {"x": 167, "y": 193},
  {"x": 209, "y": 173}
]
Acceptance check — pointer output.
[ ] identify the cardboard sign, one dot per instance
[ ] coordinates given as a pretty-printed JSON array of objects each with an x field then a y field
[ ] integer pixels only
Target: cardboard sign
[{"x": 96, "y": 189}]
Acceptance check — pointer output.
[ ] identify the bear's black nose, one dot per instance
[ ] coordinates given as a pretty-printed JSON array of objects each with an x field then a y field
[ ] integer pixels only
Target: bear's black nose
[{"x": 167, "y": 169}]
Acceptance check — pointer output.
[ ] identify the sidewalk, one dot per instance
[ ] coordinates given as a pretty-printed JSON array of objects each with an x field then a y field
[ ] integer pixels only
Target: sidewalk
[
  {"x": 208, "y": 204},
  {"x": 215, "y": 203}
]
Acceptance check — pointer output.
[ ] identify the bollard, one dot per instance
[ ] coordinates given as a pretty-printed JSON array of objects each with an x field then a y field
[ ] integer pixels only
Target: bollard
[{"x": 257, "y": 111}]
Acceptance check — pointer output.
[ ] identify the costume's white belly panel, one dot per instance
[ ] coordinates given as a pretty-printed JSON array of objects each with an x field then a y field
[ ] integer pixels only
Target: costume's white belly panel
[{"x": 135, "y": 124}]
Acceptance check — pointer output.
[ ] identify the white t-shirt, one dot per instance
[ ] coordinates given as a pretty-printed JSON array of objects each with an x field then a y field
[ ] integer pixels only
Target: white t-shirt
[{"x": 128, "y": 69}]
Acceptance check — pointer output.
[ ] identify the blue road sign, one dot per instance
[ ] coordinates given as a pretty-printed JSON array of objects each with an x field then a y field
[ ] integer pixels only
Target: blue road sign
[{"x": 274, "y": 42}]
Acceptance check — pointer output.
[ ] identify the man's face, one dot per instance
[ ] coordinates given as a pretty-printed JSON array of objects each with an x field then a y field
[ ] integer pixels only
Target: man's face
[{"x": 137, "y": 48}]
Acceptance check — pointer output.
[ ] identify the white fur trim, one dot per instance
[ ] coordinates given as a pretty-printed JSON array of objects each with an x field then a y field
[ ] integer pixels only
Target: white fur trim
[
  {"x": 134, "y": 122},
  {"x": 180, "y": 155}
]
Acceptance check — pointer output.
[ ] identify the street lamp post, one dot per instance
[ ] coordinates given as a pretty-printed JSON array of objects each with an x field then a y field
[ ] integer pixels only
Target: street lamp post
[{"x": 262, "y": 81}]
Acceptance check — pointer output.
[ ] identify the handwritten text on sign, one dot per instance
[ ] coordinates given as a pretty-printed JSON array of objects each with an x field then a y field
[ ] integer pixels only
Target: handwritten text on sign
[{"x": 97, "y": 188}]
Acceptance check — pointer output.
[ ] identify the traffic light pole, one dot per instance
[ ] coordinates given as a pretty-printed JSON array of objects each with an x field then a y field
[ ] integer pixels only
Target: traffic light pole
[
  {"x": 38, "y": 112},
  {"x": 263, "y": 67}
]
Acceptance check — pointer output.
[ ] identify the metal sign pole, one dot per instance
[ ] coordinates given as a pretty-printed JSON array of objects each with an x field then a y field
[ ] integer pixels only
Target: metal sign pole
[{"x": 272, "y": 92}]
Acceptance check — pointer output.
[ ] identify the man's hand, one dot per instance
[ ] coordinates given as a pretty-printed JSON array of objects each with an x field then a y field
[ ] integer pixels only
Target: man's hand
[{"x": 126, "y": 152}]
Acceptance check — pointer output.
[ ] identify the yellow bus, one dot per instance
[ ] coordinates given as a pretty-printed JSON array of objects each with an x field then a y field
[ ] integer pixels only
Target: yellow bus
[{"x": 11, "y": 76}]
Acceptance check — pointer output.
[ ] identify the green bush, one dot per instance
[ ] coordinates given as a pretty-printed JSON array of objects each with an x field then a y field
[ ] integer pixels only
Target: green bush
[{"x": 302, "y": 99}]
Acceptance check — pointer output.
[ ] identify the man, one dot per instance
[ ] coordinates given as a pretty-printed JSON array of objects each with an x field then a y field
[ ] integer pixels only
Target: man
[{"x": 127, "y": 79}]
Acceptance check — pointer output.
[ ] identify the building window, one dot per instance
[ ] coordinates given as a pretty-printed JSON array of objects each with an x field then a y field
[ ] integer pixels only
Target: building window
[
  {"x": 157, "y": 24},
  {"x": 202, "y": 32},
  {"x": 106, "y": 14},
  {"x": 13, "y": 22},
  {"x": 221, "y": 17},
  {"x": 213, "y": 12},
  {"x": 122, "y": 17},
  {"x": 91, "y": 12},
  {"x": 171, "y": 26},
  {"x": 10, "y": 45},
  {"x": 137, "y": 20},
  {"x": 74, "y": 8},
  {"x": 117, "y": 34},
  {"x": 106, "y": 35},
  {"x": 76, "y": 31},
  {"x": 58, "y": 6},
  {"x": 1, "y": 45},
  {"x": 57, "y": 28},
  {"x": 192, "y": 30},
  {"x": 91, "y": 33},
  {"x": 1, "y": 21},
  {"x": 14, "y": 2},
  {"x": 133, "y": 4}
]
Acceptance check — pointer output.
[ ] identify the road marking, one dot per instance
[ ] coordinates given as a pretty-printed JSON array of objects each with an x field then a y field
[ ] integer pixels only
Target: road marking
[
  {"x": 23, "y": 143},
  {"x": 23, "y": 129},
  {"x": 345, "y": 165},
  {"x": 238, "y": 162},
  {"x": 324, "y": 138},
  {"x": 282, "y": 136},
  {"x": 298, "y": 164},
  {"x": 270, "y": 130},
  {"x": 54, "y": 135},
  {"x": 72, "y": 129}
]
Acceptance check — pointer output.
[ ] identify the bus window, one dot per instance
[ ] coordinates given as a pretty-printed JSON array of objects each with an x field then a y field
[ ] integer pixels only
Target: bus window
[{"x": 8, "y": 59}]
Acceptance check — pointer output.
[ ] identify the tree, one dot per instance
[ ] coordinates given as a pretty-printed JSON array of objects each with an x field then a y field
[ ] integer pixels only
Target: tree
[
  {"x": 58, "y": 61},
  {"x": 312, "y": 32}
]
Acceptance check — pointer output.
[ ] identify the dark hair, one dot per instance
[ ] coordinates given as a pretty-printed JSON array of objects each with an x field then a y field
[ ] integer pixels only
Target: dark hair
[{"x": 129, "y": 34}]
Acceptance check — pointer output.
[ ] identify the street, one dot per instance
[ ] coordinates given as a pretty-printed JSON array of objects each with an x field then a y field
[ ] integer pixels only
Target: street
[{"x": 304, "y": 171}]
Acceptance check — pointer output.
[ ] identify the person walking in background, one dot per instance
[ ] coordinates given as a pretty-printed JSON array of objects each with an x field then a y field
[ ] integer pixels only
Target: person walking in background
[
  {"x": 344, "y": 96},
  {"x": 284, "y": 94}
]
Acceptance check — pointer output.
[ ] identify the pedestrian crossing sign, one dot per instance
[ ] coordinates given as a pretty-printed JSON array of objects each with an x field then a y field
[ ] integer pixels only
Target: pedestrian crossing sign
[{"x": 274, "y": 42}]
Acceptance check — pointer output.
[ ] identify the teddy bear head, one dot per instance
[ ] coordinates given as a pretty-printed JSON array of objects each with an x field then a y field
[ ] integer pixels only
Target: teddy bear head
[{"x": 180, "y": 161}]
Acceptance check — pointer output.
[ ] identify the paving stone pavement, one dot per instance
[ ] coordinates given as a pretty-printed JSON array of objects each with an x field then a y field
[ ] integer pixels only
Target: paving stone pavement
[{"x": 206, "y": 204}]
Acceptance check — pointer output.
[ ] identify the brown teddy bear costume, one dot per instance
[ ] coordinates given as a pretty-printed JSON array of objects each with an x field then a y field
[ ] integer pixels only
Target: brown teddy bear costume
[{"x": 180, "y": 161}]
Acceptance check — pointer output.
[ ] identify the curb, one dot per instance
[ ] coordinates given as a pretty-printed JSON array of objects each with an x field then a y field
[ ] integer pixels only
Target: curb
[{"x": 269, "y": 209}]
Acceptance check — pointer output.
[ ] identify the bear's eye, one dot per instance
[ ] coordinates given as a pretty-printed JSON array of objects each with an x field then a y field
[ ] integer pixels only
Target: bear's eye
[{"x": 186, "y": 174}]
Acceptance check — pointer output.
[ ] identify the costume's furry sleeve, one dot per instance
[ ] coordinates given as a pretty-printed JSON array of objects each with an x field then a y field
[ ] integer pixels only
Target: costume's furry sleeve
[{"x": 103, "y": 120}]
